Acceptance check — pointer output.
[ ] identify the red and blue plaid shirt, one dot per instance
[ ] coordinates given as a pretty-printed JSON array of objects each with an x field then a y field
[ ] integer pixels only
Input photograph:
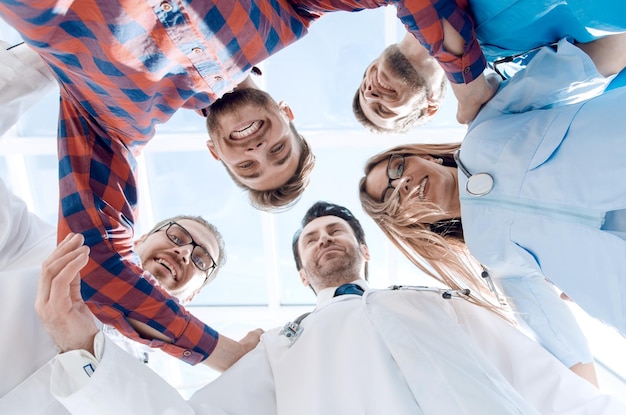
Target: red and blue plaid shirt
[
  {"x": 423, "y": 19},
  {"x": 125, "y": 66}
]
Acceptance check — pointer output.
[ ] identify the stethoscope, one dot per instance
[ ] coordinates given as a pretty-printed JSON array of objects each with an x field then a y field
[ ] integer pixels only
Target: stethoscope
[
  {"x": 478, "y": 184},
  {"x": 293, "y": 329}
]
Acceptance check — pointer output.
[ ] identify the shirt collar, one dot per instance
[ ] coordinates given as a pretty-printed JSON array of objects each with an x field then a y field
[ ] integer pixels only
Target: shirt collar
[{"x": 325, "y": 295}]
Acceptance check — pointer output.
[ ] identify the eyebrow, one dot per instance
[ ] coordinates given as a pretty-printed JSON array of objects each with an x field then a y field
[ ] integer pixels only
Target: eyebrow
[
  {"x": 330, "y": 226},
  {"x": 275, "y": 163},
  {"x": 251, "y": 176},
  {"x": 284, "y": 159},
  {"x": 375, "y": 109}
]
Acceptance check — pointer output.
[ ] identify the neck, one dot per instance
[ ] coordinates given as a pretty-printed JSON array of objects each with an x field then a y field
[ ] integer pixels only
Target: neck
[
  {"x": 336, "y": 282},
  {"x": 413, "y": 50},
  {"x": 247, "y": 83}
]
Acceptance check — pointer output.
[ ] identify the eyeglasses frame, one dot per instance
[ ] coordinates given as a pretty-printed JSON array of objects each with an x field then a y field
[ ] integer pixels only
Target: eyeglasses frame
[{"x": 209, "y": 271}]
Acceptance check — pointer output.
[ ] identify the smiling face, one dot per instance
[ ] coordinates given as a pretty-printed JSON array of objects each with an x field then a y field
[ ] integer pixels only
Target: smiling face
[
  {"x": 251, "y": 134},
  {"x": 330, "y": 253},
  {"x": 171, "y": 265},
  {"x": 391, "y": 89},
  {"x": 422, "y": 179},
  {"x": 395, "y": 91}
]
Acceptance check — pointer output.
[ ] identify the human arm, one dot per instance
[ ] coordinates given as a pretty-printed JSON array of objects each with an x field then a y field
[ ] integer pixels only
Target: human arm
[
  {"x": 100, "y": 205},
  {"x": 24, "y": 80},
  {"x": 59, "y": 304},
  {"x": 24, "y": 237},
  {"x": 537, "y": 303},
  {"x": 108, "y": 111},
  {"x": 116, "y": 382},
  {"x": 447, "y": 32},
  {"x": 531, "y": 370},
  {"x": 536, "y": 87},
  {"x": 608, "y": 53},
  {"x": 122, "y": 385}
]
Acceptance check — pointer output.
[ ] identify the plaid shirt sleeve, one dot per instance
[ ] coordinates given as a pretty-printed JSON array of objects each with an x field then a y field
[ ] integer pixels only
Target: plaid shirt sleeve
[
  {"x": 125, "y": 66},
  {"x": 105, "y": 120},
  {"x": 98, "y": 196},
  {"x": 423, "y": 19}
]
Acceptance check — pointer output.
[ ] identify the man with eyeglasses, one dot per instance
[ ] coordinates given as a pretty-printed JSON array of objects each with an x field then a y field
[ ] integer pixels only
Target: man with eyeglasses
[
  {"x": 405, "y": 350},
  {"x": 183, "y": 254}
]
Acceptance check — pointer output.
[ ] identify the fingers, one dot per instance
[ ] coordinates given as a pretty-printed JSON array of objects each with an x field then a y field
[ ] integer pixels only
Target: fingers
[
  {"x": 61, "y": 268},
  {"x": 71, "y": 242},
  {"x": 68, "y": 277}
]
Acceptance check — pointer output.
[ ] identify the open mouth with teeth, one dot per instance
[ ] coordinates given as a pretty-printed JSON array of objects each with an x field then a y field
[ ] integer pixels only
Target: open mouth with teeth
[
  {"x": 246, "y": 130},
  {"x": 167, "y": 265},
  {"x": 381, "y": 84}
]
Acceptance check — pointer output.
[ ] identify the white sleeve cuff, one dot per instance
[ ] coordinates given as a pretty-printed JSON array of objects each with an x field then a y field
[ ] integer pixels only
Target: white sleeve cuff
[{"x": 74, "y": 368}]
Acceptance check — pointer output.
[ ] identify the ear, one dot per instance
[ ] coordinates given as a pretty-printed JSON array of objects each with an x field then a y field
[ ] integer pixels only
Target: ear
[
  {"x": 432, "y": 109},
  {"x": 365, "y": 251},
  {"x": 303, "y": 277},
  {"x": 211, "y": 147},
  {"x": 286, "y": 110}
]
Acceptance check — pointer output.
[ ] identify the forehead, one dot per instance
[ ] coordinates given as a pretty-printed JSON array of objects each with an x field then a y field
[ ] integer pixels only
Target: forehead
[
  {"x": 202, "y": 235},
  {"x": 324, "y": 222}
]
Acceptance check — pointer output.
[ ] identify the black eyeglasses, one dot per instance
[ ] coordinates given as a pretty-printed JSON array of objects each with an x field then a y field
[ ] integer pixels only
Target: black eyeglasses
[
  {"x": 395, "y": 170},
  {"x": 181, "y": 237}
]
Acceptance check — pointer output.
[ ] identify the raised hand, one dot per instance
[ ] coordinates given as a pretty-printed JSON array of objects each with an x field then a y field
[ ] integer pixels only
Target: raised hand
[{"x": 59, "y": 304}]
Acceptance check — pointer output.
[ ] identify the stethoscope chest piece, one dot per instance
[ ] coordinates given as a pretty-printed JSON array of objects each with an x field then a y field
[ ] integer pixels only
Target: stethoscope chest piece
[{"x": 479, "y": 184}]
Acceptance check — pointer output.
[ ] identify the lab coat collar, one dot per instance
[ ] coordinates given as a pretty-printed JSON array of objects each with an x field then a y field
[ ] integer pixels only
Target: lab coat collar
[{"x": 325, "y": 295}]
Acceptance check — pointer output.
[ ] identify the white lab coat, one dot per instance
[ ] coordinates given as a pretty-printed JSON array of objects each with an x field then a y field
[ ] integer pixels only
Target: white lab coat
[
  {"x": 554, "y": 144},
  {"x": 24, "y": 80},
  {"x": 25, "y": 241},
  {"x": 388, "y": 352}
]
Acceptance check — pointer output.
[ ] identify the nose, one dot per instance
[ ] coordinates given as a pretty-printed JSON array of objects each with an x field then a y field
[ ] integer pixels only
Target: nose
[
  {"x": 257, "y": 146},
  {"x": 369, "y": 91},
  {"x": 325, "y": 239},
  {"x": 405, "y": 183},
  {"x": 184, "y": 253}
]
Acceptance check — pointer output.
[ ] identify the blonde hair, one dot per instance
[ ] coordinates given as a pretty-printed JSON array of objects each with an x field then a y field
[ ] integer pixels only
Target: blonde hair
[{"x": 438, "y": 249}]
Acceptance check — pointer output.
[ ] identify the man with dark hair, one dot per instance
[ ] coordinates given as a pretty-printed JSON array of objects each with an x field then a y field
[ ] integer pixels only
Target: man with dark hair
[
  {"x": 405, "y": 350},
  {"x": 320, "y": 209}
]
